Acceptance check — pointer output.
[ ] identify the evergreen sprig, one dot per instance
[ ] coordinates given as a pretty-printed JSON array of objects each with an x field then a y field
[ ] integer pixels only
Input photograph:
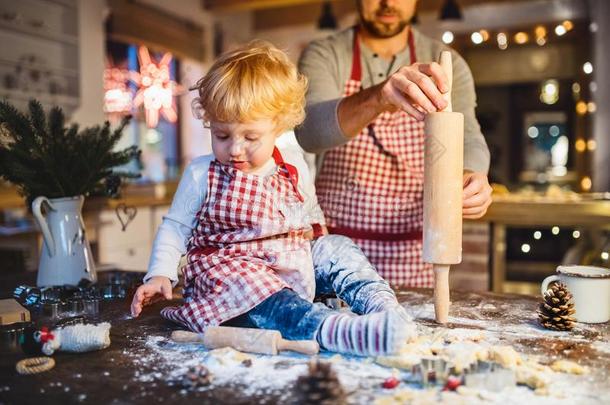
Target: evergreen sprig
[{"x": 40, "y": 155}]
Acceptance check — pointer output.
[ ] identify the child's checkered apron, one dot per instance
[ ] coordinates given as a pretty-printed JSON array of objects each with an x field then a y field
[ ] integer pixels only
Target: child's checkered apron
[
  {"x": 249, "y": 243},
  {"x": 371, "y": 189}
]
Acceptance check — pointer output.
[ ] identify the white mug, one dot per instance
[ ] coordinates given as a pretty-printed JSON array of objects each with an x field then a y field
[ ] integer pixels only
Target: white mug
[{"x": 590, "y": 288}]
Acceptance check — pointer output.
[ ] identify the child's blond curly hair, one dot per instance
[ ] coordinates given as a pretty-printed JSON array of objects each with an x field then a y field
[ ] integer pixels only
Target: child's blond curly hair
[{"x": 256, "y": 81}]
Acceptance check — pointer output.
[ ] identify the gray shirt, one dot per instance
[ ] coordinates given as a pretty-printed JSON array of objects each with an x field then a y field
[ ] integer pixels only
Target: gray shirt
[{"x": 327, "y": 64}]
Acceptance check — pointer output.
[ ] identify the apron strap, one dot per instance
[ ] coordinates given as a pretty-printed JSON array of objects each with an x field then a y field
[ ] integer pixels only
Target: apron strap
[
  {"x": 411, "y": 42},
  {"x": 356, "y": 73},
  {"x": 293, "y": 173}
]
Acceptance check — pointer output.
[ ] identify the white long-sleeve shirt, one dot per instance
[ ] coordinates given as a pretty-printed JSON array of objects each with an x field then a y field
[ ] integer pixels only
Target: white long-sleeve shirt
[{"x": 172, "y": 237}]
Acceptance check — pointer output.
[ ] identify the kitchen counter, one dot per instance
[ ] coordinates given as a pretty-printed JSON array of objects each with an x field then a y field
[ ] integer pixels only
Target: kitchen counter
[
  {"x": 540, "y": 211},
  {"x": 141, "y": 365},
  {"x": 138, "y": 195}
]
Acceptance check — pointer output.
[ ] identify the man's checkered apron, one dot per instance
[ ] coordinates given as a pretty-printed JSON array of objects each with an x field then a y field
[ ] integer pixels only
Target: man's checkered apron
[
  {"x": 249, "y": 243},
  {"x": 371, "y": 189}
]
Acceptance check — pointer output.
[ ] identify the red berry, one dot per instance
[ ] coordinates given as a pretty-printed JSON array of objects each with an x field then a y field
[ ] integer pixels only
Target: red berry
[
  {"x": 390, "y": 382},
  {"x": 452, "y": 383}
]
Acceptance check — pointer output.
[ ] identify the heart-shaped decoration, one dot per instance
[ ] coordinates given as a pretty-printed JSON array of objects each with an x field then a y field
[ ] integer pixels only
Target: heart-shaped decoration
[{"x": 125, "y": 214}]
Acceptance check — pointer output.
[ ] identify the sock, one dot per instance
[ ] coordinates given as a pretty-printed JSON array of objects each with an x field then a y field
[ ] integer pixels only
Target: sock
[{"x": 376, "y": 334}]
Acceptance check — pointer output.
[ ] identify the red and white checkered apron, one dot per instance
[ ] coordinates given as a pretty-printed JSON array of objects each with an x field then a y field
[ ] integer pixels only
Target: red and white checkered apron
[
  {"x": 249, "y": 243},
  {"x": 371, "y": 189}
]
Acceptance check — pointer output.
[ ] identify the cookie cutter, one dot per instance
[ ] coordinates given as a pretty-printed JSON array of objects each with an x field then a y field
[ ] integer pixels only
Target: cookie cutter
[
  {"x": 11, "y": 336},
  {"x": 433, "y": 371},
  {"x": 73, "y": 305},
  {"x": 490, "y": 376},
  {"x": 91, "y": 305},
  {"x": 113, "y": 291},
  {"x": 50, "y": 307},
  {"x": 27, "y": 295},
  {"x": 51, "y": 293}
]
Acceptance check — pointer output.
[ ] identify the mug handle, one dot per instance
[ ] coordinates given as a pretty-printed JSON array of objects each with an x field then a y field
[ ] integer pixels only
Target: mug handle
[{"x": 547, "y": 281}]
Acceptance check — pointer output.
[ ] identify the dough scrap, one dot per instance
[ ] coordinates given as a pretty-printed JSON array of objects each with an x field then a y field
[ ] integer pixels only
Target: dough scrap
[
  {"x": 225, "y": 354},
  {"x": 534, "y": 377},
  {"x": 506, "y": 356},
  {"x": 463, "y": 354},
  {"x": 570, "y": 367}
]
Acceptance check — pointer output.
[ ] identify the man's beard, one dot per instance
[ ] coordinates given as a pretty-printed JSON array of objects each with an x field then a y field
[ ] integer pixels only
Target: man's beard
[{"x": 381, "y": 30}]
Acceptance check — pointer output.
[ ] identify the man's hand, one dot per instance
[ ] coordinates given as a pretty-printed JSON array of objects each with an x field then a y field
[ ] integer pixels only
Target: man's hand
[
  {"x": 477, "y": 195},
  {"x": 155, "y": 289},
  {"x": 417, "y": 89}
]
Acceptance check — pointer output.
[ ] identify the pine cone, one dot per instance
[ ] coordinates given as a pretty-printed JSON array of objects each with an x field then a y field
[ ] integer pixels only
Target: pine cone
[
  {"x": 556, "y": 310},
  {"x": 198, "y": 376},
  {"x": 320, "y": 386}
]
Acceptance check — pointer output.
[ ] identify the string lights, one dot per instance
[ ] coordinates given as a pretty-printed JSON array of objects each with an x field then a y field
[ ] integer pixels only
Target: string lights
[
  {"x": 542, "y": 35},
  {"x": 539, "y": 34}
]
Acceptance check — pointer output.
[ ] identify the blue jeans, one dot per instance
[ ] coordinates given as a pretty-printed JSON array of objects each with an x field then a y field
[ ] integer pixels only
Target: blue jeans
[{"x": 340, "y": 267}]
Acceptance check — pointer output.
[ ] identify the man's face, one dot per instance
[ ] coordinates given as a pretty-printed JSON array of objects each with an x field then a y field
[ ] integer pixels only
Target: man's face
[{"x": 385, "y": 18}]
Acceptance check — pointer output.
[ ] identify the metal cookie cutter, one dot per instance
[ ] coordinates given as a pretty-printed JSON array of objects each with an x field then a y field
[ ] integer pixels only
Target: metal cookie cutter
[
  {"x": 112, "y": 291},
  {"x": 27, "y": 295},
  {"x": 51, "y": 294},
  {"x": 11, "y": 336},
  {"x": 433, "y": 371},
  {"x": 489, "y": 376},
  {"x": 50, "y": 307},
  {"x": 91, "y": 305},
  {"x": 73, "y": 305}
]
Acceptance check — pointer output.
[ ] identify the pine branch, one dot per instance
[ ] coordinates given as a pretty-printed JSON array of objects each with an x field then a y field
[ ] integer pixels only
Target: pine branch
[{"x": 41, "y": 156}]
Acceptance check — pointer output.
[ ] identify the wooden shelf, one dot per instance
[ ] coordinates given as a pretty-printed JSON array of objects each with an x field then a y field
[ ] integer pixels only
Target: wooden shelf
[
  {"x": 46, "y": 99},
  {"x": 41, "y": 34},
  {"x": 55, "y": 70},
  {"x": 65, "y": 3}
]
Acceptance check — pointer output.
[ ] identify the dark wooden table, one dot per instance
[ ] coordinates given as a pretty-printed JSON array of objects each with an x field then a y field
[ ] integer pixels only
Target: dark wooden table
[{"x": 107, "y": 376}]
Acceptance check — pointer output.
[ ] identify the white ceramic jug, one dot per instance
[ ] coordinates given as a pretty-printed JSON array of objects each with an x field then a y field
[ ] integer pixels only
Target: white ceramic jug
[{"x": 66, "y": 255}]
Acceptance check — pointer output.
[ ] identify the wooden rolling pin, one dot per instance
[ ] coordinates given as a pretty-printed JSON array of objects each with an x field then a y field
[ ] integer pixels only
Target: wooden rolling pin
[
  {"x": 249, "y": 340},
  {"x": 443, "y": 185}
]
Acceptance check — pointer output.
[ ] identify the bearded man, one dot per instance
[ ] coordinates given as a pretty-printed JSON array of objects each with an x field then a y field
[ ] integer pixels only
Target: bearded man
[{"x": 370, "y": 87}]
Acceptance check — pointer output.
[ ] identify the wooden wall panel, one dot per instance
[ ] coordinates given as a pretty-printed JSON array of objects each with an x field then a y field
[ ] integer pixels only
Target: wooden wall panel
[{"x": 141, "y": 24}]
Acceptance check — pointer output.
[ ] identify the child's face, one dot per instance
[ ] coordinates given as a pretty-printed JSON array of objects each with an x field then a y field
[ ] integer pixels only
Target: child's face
[{"x": 245, "y": 146}]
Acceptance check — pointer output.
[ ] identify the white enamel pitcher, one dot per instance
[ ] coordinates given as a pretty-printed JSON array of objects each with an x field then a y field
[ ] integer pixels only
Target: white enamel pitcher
[{"x": 66, "y": 255}]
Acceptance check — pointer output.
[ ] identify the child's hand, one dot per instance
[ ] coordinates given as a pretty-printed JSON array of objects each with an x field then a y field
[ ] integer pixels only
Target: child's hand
[{"x": 155, "y": 289}]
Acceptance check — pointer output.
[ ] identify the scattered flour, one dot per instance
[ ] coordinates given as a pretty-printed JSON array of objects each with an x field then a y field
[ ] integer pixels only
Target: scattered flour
[
  {"x": 601, "y": 346},
  {"x": 158, "y": 360},
  {"x": 527, "y": 328},
  {"x": 167, "y": 362},
  {"x": 267, "y": 374}
]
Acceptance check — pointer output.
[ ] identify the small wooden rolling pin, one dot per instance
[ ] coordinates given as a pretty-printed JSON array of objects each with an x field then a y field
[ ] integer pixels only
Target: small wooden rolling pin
[
  {"x": 249, "y": 340},
  {"x": 443, "y": 185}
]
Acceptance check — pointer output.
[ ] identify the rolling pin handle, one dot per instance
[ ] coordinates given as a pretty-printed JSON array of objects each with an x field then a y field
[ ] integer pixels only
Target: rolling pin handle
[
  {"x": 441, "y": 293},
  {"x": 182, "y": 336},
  {"x": 310, "y": 347}
]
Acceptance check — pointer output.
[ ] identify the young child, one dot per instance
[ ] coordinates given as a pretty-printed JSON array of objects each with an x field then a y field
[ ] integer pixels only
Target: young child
[{"x": 246, "y": 217}]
